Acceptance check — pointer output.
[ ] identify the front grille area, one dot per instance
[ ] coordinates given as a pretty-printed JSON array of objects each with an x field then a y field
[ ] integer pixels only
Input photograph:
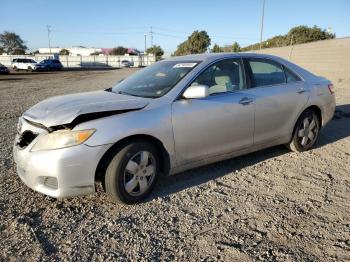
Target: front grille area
[{"x": 26, "y": 138}]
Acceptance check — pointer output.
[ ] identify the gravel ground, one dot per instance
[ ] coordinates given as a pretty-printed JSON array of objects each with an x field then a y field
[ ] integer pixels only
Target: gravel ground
[{"x": 269, "y": 205}]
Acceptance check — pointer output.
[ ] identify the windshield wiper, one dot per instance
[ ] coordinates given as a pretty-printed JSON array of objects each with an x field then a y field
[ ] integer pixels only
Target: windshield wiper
[{"x": 126, "y": 93}]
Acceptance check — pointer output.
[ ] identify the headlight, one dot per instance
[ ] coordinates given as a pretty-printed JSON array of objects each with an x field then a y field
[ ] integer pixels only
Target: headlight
[{"x": 62, "y": 139}]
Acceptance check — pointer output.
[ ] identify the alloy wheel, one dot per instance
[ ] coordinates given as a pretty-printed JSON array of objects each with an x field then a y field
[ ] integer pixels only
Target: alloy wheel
[
  {"x": 308, "y": 131},
  {"x": 139, "y": 173}
]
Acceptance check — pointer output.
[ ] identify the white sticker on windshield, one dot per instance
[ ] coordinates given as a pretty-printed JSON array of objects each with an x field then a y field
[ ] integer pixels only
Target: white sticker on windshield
[{"x": 184, "y": 65}]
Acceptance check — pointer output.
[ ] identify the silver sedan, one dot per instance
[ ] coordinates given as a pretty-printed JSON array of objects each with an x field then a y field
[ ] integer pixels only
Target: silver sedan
[{"x": 175, "y": 115}]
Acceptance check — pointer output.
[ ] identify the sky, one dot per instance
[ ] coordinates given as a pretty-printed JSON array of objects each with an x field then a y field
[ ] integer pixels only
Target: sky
[{"x": 111, "y": 23}]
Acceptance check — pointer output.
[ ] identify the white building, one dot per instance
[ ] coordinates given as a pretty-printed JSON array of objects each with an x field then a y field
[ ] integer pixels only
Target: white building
[{"x": 74, "y": 51}]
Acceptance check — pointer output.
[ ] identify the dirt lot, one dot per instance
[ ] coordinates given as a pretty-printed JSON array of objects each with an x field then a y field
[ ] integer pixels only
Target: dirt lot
[{"x": 269, "y": 205}]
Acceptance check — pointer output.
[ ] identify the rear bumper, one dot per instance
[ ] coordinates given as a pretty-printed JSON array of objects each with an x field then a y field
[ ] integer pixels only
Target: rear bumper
[
  {"x": 62, "y": 172},
  {"x": 328, "y": 112}
]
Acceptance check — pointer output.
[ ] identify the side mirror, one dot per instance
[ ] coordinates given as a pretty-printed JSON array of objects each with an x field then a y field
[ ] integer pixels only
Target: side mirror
[{"x": 193, "y": 92}]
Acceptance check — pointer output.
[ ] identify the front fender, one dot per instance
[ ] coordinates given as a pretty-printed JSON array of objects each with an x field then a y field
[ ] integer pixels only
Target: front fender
[{"x": 155, "y": 122}]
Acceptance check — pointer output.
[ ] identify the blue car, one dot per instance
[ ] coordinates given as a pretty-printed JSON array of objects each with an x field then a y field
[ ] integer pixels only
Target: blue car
[
  {"x": 4, "y": 69},
  {"x": 51, "y": 64}
]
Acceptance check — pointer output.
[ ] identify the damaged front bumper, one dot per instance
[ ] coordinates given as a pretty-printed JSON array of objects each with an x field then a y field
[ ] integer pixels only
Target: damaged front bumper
[{"x": 59, "y": 173}]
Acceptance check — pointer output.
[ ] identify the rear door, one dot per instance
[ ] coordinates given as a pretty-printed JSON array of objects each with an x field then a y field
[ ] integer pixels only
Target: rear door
[{"x": 280, "y": 96}]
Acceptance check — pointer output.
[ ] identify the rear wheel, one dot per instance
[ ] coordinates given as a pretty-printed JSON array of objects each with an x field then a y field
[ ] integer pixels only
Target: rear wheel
[
  {"x": 305, "y": 132},
  {"x": 30, "y": 69},
  {"x": 132, "y": 172},
  {"x": 15, "y": 68}
]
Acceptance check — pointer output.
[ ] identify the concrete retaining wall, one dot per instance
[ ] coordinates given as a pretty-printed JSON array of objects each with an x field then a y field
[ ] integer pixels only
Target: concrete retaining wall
[{"x": 328, "y": 58}]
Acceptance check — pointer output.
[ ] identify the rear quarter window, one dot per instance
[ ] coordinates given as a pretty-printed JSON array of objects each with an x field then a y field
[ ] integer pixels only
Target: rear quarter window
[{"x": 291, "y": 76}]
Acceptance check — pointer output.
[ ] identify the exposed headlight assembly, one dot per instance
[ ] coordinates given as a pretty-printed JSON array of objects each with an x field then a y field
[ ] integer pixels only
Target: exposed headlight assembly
[{"x": 62, "y": 139}]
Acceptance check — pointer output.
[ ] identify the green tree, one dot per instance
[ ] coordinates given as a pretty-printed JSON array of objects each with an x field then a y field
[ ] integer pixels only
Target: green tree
[
  {"x": 217, "y": 49},
  {"x": 18, "y": 51},
  {"x": 198, "y": 42},
  {"x": 64, "y": 52},
  {"x": 236, "y": 47},
  {"x": 119, "y": 51},
  {"x": 304, "y": 34},
  {"x": 1, "y": 50},
  {"x": 156, "y": 50},
  {"x": 277, "y": 41},
  {"x": 296, "y": 35},
  {"x": 12, "y": 43}
]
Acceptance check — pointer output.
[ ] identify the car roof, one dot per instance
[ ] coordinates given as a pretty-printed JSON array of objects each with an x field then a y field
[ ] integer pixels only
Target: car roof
[{"x": 214, "y": 56}]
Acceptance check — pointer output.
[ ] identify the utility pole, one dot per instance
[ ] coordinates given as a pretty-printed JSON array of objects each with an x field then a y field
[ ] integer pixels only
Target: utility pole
[
  {"x": 262, "y": 24},
  {"x": 151, "y": 33},
  {"x": 145, "y": 42},
  {"x": 291, "y": 49},
  {"x": 48, "y": 36}
]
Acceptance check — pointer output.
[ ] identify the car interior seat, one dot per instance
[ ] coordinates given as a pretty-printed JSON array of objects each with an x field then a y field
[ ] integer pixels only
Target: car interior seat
[{"x": 222, "y": 82}]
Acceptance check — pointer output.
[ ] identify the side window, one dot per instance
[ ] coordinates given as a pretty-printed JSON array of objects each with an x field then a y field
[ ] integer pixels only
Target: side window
[
  {"x": 223, "y": 76},
  {"x": 266, "y": 72},
  {"x": 290, "y": 76}
]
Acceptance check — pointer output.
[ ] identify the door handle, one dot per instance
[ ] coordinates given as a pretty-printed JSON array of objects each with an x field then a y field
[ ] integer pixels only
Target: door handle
[
  {"x": 246, "y": 101},
  {"x": 301, "y": 90}
]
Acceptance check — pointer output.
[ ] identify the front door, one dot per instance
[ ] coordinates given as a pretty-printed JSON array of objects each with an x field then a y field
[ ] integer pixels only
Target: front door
[{"x": 218, "y": 124}]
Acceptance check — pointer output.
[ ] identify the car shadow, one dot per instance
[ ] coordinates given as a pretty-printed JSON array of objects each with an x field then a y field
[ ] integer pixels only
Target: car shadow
[
  {"x": 337, "y": 129},
  {"x": 197, "y": 176},
  {"x": 89, "y": 69},
  {"x": 12, "y": 79},
  {"x": 24, "y": 73}
]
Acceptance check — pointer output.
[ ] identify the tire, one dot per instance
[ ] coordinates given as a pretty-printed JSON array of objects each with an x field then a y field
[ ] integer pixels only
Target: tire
[
  {"x": 15, "y": 68},
  {"x": 129, "y": 179},
  {"x": 30, "y": 69},
  {"x": 305, "y": 132}
]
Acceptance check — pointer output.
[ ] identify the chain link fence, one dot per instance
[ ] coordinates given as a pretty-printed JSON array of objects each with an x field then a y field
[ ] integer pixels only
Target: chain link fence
[{"x": 86, "y": 61}]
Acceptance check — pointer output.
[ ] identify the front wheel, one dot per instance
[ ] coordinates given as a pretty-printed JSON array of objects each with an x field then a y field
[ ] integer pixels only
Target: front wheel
[
  {"x": 132, "y": 172},
  {"x": 305, "y": 132},
  {"x": 30, "y": 69}
]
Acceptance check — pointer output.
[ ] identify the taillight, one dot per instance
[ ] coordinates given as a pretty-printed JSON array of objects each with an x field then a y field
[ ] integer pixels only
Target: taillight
[{"x": 331, "y": 88}]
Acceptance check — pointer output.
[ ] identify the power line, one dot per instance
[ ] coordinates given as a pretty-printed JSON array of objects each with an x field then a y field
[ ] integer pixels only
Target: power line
[
  {"x": 168, "y": 35},
  {"x": 151, "y": 34},
  {"x": 189, "y": 33},
  {"x": 97, "y": 32}
]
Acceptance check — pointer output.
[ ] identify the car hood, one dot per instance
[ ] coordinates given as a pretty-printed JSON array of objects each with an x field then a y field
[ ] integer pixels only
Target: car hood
[{"x": 63, "y": 110}]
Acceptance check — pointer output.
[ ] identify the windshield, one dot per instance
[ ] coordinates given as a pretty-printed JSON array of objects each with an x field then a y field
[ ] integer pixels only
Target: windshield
[{"x": 155, "y": 80}]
